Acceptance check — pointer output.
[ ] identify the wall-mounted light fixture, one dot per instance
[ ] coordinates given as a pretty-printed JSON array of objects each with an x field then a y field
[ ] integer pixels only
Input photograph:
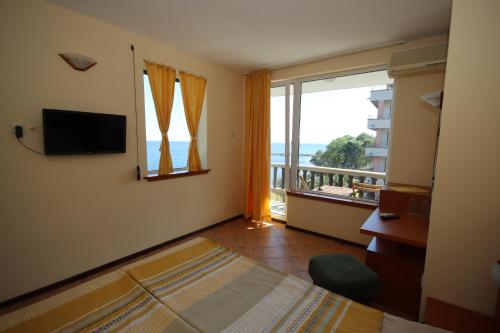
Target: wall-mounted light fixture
[
  {"x": 433, "y": 98},
  {"x": 79, "y": 62},
  {"x": 495, "y": 273}
]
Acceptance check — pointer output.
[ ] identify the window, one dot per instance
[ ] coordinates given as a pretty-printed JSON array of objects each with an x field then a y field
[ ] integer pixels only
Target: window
[
  {"x": 340, "y": 134},
  {"x": 178, "y": 133}
]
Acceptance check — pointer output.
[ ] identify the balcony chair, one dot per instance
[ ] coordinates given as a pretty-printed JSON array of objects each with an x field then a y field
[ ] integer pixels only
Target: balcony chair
[{"x": 362, "y": 187}]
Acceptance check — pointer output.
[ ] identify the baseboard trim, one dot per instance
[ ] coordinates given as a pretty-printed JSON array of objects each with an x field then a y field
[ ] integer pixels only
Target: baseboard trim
[
  {"x": 278, "y": 220},
  {"x": 340, "y": 240},
  {"x": 100, "y": 269}
]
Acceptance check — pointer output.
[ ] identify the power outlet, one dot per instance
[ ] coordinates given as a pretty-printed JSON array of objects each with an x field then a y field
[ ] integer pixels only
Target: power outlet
[{"x": 17, "y": 133}]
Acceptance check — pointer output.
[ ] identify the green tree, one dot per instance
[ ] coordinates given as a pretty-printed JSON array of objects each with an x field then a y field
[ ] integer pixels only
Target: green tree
[{"x": 346, "y": 152}]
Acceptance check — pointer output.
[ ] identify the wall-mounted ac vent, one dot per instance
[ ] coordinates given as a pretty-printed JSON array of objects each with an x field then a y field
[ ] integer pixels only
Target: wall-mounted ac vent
[{"x": 418, "y": 59}]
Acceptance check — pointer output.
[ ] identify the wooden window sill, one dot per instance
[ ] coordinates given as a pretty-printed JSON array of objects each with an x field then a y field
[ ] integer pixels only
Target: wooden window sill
[
  {"x": 334, "y": 200},
  {"x": 179, "y": 174}
]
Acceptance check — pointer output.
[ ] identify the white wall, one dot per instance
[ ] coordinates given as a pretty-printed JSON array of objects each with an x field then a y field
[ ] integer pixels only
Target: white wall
[
  {"x": 414, "y": 130},
  {"x": 327, "y": 218},
  {"x": 464, "y": 235},
  {"x": 60, "y": 216}
]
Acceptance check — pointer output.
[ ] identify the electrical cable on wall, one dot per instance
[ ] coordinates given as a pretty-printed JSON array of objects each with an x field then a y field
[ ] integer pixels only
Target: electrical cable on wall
[
  {"x": 29, "y": 148},
  {"x": 19, "y": 132},
  {"x": 138, "y": 169}
]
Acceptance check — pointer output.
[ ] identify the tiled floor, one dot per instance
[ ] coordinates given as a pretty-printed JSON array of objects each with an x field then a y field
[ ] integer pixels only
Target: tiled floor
[{"x": 273, "y": 244}]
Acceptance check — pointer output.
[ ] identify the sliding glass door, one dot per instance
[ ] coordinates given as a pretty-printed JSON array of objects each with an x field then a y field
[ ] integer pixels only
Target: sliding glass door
[{"x": 330, "y": 136}]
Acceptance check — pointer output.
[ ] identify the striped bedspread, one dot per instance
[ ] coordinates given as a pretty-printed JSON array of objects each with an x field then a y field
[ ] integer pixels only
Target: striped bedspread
[
  {"x": 110, "y": 303},
  {"x": 198, "y": 286},
  {"x": 217, "y": 290}
]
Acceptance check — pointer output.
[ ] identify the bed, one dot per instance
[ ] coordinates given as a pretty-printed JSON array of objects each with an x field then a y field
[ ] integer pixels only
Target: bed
[
  {"x": 218, "y": 290},
  {"x": 110, "y": 303},
  {"x": 200, "y": 286}
]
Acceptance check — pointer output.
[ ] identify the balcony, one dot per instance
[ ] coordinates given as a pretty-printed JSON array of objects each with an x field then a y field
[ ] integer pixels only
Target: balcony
[
  {"x": 381, "y": 95},
  {"x": 328, "y": 181},
  {"x": 375, "y": 124},
  {"x": 376, "y": 151}
]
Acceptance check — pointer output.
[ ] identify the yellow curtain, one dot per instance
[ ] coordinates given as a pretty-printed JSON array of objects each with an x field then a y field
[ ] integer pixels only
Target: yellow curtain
[
  {"x": 257, "y": 146},
  {"x": 162, "y": 82},
  {"x": 193, "y": 93}
]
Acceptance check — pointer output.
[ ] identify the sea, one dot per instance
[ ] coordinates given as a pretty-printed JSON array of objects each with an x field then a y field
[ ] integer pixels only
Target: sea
[{"x": 179, "y": 153}]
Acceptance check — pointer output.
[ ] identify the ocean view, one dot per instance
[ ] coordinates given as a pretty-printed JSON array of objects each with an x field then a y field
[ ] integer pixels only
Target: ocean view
[
  {"x": 305, "y": 152},
  {"x": 179, "y": 152}
]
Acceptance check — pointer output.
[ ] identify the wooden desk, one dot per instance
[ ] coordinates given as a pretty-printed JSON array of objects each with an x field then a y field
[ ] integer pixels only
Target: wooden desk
[
  {"x": 408, "y": 229},
  {"x": 397, "y": 251}
]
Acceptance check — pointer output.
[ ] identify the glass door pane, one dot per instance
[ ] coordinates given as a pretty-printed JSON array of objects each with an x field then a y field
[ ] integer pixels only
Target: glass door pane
[
  {"x": 279, "y": 151},
  {"x": 344, "y": 129}
]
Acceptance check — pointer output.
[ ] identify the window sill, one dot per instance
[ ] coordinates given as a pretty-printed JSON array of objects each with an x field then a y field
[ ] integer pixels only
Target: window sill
[
  {"x": 334, "y": 200},
  {"x": 179, "y": 174}
]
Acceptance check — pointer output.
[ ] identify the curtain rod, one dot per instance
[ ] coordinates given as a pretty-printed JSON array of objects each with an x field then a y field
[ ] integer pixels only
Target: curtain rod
[
  {"x": 177, "y": 70},
  {"x": 155, "y": 62},
  {"x": 159, "y": 63}
]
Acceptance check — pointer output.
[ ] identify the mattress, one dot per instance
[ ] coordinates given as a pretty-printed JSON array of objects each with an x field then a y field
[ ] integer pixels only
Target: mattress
[
  {"x": 217, "y": 290},
  {"x": 110, "y": 303}
]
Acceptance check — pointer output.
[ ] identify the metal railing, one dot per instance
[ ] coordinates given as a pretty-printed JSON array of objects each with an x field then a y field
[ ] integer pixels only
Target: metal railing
[
  {"x": 334, "y": 181},
  {"x": 379, "y": 123}
]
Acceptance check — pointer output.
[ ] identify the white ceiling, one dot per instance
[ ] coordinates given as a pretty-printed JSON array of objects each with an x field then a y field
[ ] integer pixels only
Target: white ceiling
[{"x": 252, "y": 34}]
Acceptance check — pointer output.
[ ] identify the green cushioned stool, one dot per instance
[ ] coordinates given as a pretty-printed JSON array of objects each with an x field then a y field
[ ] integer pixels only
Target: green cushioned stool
[{"x": 345, "y": 275}]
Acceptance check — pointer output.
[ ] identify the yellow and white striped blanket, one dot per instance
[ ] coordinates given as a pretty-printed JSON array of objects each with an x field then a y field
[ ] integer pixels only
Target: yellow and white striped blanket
[
  {"x": 110, "y": 303},
  {"x": 217, "y": 290},
  {"x": 198, "y": 286}
]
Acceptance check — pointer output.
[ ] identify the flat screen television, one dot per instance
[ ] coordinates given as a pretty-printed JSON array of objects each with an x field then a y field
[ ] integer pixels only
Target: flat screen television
[{"x": 73, "y": 132}]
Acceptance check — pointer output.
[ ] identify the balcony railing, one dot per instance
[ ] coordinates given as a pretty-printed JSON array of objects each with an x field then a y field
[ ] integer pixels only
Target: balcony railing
[
  {"x": 332, "y": 181},
  {"x": 376, "y": 151},
  {"x": 379, "y": 123},
  {"x": 381, "y": 95}
]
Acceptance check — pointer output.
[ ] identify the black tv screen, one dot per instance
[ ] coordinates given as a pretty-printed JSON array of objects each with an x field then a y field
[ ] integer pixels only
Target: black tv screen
[{"x": 73, "y": 132}]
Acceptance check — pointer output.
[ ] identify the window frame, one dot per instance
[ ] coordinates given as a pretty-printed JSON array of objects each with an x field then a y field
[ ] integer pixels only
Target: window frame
[
  {"x": 286, "y": 85},
  {"x": 295, "y": 134},
  {"x": 150, "y": 174}
]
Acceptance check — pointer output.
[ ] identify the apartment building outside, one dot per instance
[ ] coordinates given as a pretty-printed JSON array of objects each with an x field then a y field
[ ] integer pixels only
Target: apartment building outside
[{"x": 381, "y": 124}]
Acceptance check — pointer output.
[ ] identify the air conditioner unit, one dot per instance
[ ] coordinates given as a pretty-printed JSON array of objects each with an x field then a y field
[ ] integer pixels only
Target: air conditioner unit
[{"x": 419, "y": 59}]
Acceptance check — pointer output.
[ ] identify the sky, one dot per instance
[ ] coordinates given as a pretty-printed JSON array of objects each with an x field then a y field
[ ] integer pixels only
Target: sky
[
  {"x": 326, "y": 115},
  {"x": 178, "y": 130}
]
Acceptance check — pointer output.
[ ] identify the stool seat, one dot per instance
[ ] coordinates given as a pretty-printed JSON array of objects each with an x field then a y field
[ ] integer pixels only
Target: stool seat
[{"x": 345, "y": 275}]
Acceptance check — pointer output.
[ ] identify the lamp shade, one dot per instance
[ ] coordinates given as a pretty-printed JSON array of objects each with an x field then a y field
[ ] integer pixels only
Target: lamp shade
[{"x": 79, "y": 62}]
